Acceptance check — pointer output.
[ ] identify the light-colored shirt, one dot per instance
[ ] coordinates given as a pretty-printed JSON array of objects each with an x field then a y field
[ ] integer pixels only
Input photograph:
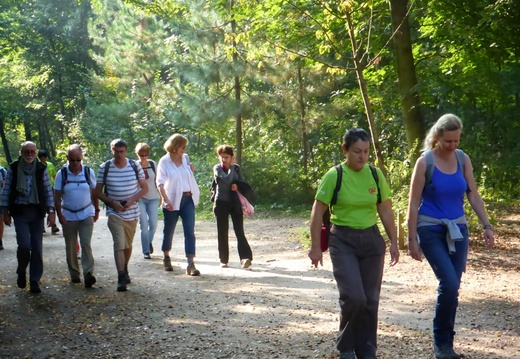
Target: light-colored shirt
[
  {"x": 153, "y": 193},
  {"x": 169, "y": 175},
  {"x": 76, "y": 195},
  {"x": 121, "y": 184}
]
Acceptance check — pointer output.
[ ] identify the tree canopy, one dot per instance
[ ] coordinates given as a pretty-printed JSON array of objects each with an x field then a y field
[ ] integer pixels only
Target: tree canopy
[{"x": 278, "y": 80}]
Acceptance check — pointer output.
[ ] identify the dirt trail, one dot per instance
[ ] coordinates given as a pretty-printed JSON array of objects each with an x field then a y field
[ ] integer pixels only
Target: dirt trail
[{"x": 279, "y": 309}]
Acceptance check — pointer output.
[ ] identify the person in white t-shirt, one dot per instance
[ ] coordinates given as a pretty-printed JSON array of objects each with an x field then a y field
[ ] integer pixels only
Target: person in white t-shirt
[{"x": 77, "y": 210}]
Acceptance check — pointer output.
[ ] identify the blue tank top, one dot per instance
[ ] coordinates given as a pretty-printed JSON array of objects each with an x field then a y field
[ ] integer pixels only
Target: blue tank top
[{"x": 444, "y": 196}]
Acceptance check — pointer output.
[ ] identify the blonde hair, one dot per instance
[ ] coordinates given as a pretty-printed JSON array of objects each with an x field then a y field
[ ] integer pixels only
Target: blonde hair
[
  {"x": 142, "y": 147},
  {"x": 174, "y": 142},
  {"x": 447, "y": 122}
]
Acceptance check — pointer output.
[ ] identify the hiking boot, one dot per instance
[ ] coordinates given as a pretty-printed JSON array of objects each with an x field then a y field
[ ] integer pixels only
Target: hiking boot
[
  {"x": 128, "y": 281},
  {"x": 75, "y": 280},
  {"x": 445, "y": 352},
  {"x": 246, "y": 263},
  {"x": 121, "y": 282},
  {"x": 1, "y": 244},
  {"x": 147, "y": 256},
  {"x": 55, "y": 230},
  {"x": 34, "y": 287},
  {"x": 347, "y": 355},
  {"x": 191, "y": 270},
  {"x": 167, "y": 264},
  {"x": 151, "y": 248},
  {"x": 21, "y": 282},
  {"x": 89, "y": 280}
]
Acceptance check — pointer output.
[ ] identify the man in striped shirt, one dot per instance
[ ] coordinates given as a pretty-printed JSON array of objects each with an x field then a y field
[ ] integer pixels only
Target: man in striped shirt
[{"x": 124, "y": 183}]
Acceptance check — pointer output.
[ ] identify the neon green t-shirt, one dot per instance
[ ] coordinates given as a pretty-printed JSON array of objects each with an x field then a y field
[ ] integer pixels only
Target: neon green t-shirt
[
  {"x": 52, "y": 172},
  {"x": 357, "y": 199}
]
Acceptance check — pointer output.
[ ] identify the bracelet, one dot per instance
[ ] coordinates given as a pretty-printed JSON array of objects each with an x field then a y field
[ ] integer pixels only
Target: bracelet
[{"x": 488, "y": 226}]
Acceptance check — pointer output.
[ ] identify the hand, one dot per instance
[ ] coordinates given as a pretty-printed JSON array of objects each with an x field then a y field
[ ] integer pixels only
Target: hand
[
  {"x": 7, "y": 218},
  {"x": 168, "y": 205},
  {"x": 62, "y": 219},
  {"x": 51, "y": 220},
  {"x": 414, "y": 249},
  {"x": 96, "y": 216},
  {"x": 233, "y": 160},
  {"x": 489, "y": 238},
  {"x": 394, "y": 254},
  {"x": 316, "y": 256},
  {"x": 234, "y": 187}
]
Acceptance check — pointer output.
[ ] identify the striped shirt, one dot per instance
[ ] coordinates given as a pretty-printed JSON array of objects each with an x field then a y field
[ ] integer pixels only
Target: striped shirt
[{"x": 121, "y": 184}]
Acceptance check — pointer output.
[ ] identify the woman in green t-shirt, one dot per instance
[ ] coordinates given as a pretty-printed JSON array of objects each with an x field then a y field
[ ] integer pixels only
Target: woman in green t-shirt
[{"x": 357, "y": 249}]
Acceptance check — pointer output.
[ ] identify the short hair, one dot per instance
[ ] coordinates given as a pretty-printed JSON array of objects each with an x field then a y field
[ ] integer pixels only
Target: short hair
[
  {"x": 445, "y": 123},
  {"x": 174, "y": 142},
  {"x": 41, "y": 153},
  {"x": 118, "y": 142},
  {"x": 353, "y": 135},
  {"x": 27, "y": 143},
  {"x": 225, "y": 149},
  {"x": 142, "y": 147},
  {"x": 72, "y": 148}
]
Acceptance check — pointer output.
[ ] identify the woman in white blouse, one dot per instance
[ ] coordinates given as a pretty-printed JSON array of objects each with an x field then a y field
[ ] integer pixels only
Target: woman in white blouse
[{"x": 180, "y": 194}]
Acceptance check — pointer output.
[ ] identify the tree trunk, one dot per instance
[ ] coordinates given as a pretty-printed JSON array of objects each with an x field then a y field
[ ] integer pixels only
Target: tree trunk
[
  {"x": 238, "y": 102},
  {"x": 5, "y": 144},
  {"x": 410, "y": 102},
  {"x": 305, "y": 145},
  {"x": 364, "y": 93}
]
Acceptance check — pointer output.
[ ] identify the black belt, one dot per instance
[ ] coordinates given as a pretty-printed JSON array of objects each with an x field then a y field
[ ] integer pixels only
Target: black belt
[{"x": 186, "y": 194}]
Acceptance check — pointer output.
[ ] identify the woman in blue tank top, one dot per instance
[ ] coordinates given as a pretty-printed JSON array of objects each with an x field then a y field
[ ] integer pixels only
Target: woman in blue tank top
[{"x": 437, "y": 223}]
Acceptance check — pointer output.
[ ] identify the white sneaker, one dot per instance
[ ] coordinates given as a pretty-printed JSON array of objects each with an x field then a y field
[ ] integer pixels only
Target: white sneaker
[{"x": 246, "y": 263}]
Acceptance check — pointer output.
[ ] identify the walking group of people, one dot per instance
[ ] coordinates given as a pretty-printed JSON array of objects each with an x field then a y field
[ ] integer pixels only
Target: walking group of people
[
  {"x": 437, "y": 229},
  {"x": 131, "y": 190}
]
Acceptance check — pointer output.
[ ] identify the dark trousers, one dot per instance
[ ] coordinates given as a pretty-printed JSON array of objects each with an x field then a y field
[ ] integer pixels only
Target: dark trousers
[
  {"x": 29, "y": 237},
  {"x": 223, "y": 210},
  {"x": 358, "y": 259}
]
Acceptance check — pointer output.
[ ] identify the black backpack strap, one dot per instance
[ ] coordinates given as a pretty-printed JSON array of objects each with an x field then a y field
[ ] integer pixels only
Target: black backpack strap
[
  {"x": 376, "y": 178},
  {"x": 152, "y": 165},
  {"x": 334, "y": 199},
  {"x": 134, "y": 166}
]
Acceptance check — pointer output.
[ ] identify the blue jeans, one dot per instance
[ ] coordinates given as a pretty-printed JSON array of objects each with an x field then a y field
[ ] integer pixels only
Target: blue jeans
[
  {"x": 448, "y": 269},
  {"x": 148, "y": 219},
  {"x": 187, "y": 214}
]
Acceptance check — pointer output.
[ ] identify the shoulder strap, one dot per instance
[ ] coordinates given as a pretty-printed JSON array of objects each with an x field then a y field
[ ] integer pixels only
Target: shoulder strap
[
  {"x": 86, "y": 171},
  {"x": 152, "y": 165},
  {"x": 134, "y": 166},
  {"x": 376, "y": 178},
  {"x": 334, "y": 199},
  {"x": 64, "y": 175},
  {"x": 461, "y": 158},
  {"x": 430, "y": 166}
]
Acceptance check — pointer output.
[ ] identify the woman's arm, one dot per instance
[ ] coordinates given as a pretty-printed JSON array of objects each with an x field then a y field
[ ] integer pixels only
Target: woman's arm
[
  {"x": 477, "y": 203},
  {"x": 386, "y": 214},
  {"x": 414, "y": 200},
  {"x": 315, "y": 253}
]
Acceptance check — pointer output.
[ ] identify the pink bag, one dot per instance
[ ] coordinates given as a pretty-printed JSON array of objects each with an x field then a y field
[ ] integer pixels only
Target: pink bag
[{"x": 247, "y": 208}]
